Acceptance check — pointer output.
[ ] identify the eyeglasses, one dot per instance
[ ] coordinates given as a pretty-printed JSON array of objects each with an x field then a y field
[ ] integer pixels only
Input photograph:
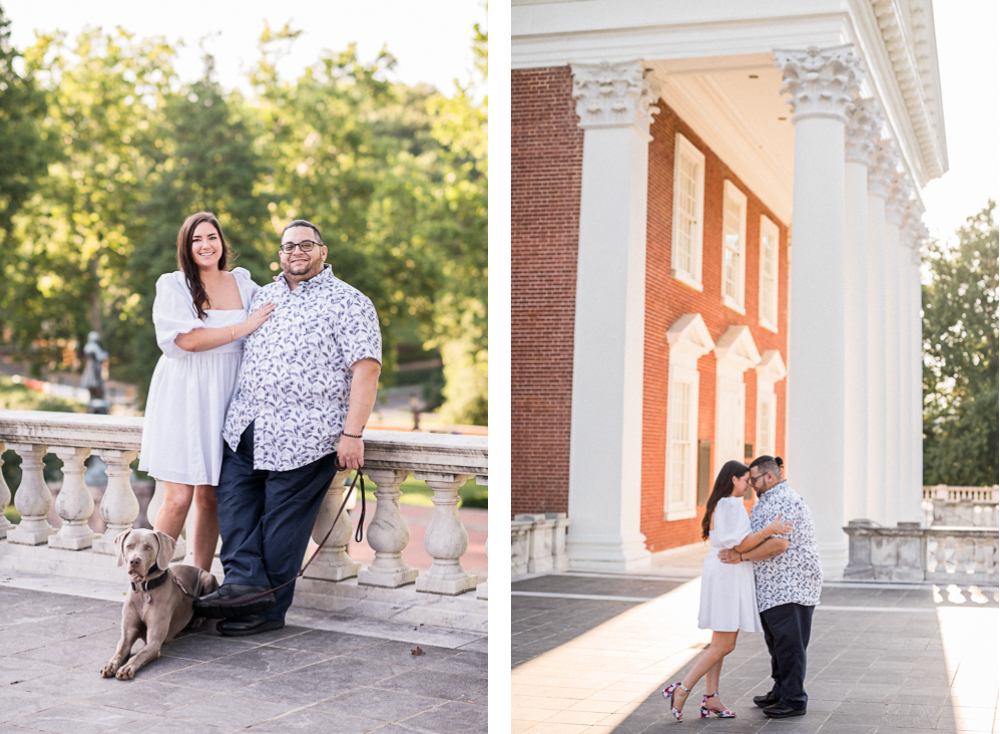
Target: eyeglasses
[
  {"x": 305, "y": 246},
  {"x": 753, "y": 479}
]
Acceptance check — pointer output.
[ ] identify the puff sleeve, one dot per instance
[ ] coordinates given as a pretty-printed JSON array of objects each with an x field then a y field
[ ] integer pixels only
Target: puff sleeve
[
  {"x": 248, "y": 289},
  {"x": 732, "y": 524},
  {"x": 173, "y": 314}
]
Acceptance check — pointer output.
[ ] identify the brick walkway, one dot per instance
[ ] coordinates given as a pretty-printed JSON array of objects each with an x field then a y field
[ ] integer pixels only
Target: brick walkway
[
  {"x": 591, "y": 653},
  {"x": 321, "y": 673}
]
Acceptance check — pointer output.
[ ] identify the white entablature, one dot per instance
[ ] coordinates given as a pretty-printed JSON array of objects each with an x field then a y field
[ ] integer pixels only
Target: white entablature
[{"x": 713, "y": 63}]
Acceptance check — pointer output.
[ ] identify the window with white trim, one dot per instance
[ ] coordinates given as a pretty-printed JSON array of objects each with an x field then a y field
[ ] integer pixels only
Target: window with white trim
[
  {"x": 734, "y": 246},
  {"x": 766, "y": 417},
  {"x": 730, "y": 419},
  {"x": 682, "y": 442},
  {"x": 768, "y": 296},
  {"x": 689, "y": 204}
]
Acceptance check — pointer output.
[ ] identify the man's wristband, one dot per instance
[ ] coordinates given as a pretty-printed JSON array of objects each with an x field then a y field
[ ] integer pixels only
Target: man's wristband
[{"x": 349, "y": 435}]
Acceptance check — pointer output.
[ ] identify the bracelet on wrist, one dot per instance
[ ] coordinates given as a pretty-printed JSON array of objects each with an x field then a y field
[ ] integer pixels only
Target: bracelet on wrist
[{"x": 351, "y": 435}]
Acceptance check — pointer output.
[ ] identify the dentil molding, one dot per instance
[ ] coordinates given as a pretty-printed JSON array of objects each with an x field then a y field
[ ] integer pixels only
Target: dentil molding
[
  {"x": 822, "y": 82},
  {"x": 613, "y": 95},
  {"x": 864, "y": 123}
]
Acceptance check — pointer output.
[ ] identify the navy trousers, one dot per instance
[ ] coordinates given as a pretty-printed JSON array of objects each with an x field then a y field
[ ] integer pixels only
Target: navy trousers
[
  {"x": 266, "y": 518},
  {"x": 786, "y": 632}
]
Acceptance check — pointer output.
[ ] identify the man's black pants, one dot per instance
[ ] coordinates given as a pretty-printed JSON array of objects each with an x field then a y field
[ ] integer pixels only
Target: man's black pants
[
  {"x": 266, "y": 518},
  {"x": 786, "y": 632}
]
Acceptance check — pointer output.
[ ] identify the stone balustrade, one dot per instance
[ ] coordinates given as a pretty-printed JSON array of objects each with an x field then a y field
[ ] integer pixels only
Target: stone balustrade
[
  {"x": 334, "y": 582},
  {"x": 961, "y": 506},
  {"x": 909, "y": 552},
  {"x": 538, "y": 543}
]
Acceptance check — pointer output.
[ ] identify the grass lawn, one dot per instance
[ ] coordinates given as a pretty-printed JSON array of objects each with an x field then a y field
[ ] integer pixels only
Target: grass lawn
[{"x": 418, "y": 493}]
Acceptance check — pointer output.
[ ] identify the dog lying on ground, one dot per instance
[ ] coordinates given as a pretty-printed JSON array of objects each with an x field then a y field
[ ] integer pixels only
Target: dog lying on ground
[{"x": 156, "y": 608}]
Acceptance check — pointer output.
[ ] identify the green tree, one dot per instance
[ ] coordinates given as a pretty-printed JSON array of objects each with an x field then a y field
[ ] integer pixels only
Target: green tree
[
  {"x": 22, "y": 149},
  {"x": 205, "y": 160},
  {"x": 73, "y": 239},
  {"x": 459, "y": 229},
  {"x": 960, "y": 371}
]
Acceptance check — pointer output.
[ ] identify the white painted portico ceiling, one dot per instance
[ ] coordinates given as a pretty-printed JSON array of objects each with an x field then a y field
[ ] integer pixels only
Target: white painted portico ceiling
[{"x": 703, "y": 52}]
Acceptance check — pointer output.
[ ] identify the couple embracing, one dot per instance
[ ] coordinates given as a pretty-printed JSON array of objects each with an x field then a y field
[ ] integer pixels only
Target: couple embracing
[{"x": 762, "y": 574}]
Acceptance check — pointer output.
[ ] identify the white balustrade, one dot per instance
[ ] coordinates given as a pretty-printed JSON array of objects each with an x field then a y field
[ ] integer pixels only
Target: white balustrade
[
  {"x": 33, "y": 499},
  {"x": 445, "y": 462},
  {"x": 446, "y": 539},
  {"x": 333, "y": 563},
  {"x": 74, "y": 503},
  {"x": 5, "y": 524}
]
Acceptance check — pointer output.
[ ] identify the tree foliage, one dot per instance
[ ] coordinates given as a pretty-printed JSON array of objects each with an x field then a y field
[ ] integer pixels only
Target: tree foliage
[{"x": 960, "y": 371}]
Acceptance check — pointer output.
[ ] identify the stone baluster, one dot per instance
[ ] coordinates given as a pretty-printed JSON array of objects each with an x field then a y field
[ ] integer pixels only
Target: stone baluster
[
  {"x": 74, "y": 503},
  {"x": 333, "y": 563},
  {"x": 33, "y": 499},
  {"x": 388, "y": 534},
  {"x": 153, "y": 508},
  {"x": 119, "y": 506},
  {"x": 446, "y": 539},
  {"x": 5, "y": 524}
]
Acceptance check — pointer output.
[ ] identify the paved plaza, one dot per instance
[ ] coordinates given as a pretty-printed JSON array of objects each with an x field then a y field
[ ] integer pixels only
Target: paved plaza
[
  {"x": 591, "y": 653},
  {"x": 321, "y": 673}
]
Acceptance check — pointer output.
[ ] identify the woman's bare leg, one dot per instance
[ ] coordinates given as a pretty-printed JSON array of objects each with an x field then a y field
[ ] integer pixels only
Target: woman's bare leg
[
  {"x": 173, "y": 512},
  {"x": 722, "y": 644},
  {"x": 205, "y": 527}
]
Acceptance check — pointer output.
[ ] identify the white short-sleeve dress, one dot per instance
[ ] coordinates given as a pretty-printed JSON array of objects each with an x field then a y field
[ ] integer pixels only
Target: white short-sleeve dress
[
  {"x": 190, "y": 391},
  {"x": 728, "y": 594}
]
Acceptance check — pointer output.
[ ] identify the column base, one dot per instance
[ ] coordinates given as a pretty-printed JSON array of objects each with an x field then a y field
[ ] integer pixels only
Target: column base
[
  {"x": 446, "y": 587},
  {"x": 387, "y": 579},
  {"x": 481, "y": 590},
  {"x": 5, "y": 526},
  {"x": 607, "y": 556},
  {"x": 333, "y": 571},
  {"x": 34, "y": 534},
  {"x": 105, "y": 544},
  {"x": 833, "y": 558}
]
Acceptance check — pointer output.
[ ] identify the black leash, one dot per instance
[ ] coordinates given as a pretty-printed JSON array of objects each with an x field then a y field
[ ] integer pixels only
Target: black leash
[{"x": 358, "y": 536}]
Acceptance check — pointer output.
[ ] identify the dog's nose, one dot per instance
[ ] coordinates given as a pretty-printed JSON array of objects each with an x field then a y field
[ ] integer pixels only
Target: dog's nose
[{"x": 133, "y": 561}]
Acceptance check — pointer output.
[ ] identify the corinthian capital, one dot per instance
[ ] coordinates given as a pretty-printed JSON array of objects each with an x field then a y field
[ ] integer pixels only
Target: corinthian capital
[
  {"x": 822, "y": 81},
  {"x": 898, "y": 198},
  {"x": 882, "y": 162},
  {"x": 864, "y": 123},
  {"x": 613, "y": 95}
]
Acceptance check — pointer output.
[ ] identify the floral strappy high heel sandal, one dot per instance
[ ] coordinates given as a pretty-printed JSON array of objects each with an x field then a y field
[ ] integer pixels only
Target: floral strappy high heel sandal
[
  {"x": 705, "y": 711},
  {"x": 668, "y": 693}
]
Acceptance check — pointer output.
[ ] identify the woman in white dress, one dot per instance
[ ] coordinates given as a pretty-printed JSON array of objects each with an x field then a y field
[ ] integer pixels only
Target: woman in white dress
[
  {"x": 201, "y": 319},
  {"x": 728, "y": 595}
]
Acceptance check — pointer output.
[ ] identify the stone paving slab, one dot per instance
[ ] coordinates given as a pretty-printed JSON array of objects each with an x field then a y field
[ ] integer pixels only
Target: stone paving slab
[
  {"x": 345, "y": 678},
  {"x": 883, "y": 658}
]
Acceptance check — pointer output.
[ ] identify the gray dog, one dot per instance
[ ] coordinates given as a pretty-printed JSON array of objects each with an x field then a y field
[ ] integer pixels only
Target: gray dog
[{"x": 156, "y": 608}]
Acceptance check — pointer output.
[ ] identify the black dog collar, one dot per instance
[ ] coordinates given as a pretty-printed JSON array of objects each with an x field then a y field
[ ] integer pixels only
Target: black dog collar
[{"x": 148, "y": 586}]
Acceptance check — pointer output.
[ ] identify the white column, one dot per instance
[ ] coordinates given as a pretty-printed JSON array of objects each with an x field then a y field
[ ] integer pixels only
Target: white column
[
  {"x": 332, "y": 563},
  {"x": 911, "y": 388},
  {"x": 821, "y": 82},
  {"x": 860, "y": 136},
  {"x": 893, "y": 395},
  {"x": 613, "y": 102},
  {"x": 446, "y": 538},
  {"x": 916, "y": 365},
  {"x": 880, "y": 166}
]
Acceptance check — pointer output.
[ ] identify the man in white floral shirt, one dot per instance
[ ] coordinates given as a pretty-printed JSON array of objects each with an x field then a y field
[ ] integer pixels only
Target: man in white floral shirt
[
  {"x": 788, "y": 579},
  {"x": 305, "y": 390}
]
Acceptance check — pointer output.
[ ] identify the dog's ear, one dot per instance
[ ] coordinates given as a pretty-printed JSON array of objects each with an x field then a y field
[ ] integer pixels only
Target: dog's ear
[
  {"x": 166, "y": 551},
  {"x": 120, "y": 545}
]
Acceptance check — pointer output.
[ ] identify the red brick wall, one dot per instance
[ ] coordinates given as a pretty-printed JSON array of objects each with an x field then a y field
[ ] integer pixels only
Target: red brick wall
[
  {"x": 667, "y": 299},
  {"x": 546, "y": 168}
]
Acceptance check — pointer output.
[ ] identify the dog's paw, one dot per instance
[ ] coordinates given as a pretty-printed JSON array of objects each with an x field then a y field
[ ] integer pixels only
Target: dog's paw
[
  {"x": 109, "y": 669},
  {"x": 126, "y": 672}
]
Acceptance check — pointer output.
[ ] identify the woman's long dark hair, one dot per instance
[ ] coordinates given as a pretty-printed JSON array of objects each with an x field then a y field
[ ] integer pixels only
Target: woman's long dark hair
[
  {"x": 185, "y": 260},
  {"x": 723, "y": 488}
]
